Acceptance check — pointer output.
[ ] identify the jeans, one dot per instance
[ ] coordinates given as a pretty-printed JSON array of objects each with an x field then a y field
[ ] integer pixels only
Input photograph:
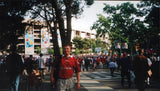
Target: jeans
[{"x": 14, "y": 82}]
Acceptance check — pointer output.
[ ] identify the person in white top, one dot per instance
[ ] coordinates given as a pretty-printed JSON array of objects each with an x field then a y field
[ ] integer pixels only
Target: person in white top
[
  {"x": 149, "y": 72},
  {"x": 41, "y": 65}
]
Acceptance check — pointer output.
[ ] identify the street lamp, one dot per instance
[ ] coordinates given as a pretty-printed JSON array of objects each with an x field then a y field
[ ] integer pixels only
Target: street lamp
[{"x": 120, "y": 50}]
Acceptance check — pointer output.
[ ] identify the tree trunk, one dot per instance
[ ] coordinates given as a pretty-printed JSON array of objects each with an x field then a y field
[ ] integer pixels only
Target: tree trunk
[
  {"x": 54, "y": 34},
  {"x": 69, "y": 18},
  {"x": 59, "y": 18}
]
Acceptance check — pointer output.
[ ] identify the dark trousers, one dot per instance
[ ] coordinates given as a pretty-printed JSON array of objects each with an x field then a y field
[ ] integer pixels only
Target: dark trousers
[
  {"x": 112, "y": 71},
  {"x": 127, "y": 74},
  {"x": 140, "y": 83}
]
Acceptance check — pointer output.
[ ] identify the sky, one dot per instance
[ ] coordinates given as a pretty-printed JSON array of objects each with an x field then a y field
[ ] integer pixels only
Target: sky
[{"x": 89, "y": 15}]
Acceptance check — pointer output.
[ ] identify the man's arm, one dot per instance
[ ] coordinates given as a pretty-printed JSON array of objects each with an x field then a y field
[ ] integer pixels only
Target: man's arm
[
  {"x": 52, "y": 78},
  {"x": 78, "y": 80}
]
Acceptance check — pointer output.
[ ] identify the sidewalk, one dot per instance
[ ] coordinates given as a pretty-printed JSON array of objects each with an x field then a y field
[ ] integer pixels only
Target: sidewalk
[
  {"x": 113, "y": 84},
  {"x": 87, "y": 84}
]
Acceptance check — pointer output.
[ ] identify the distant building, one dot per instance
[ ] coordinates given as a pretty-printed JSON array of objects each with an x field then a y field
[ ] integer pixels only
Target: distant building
[{"x": 36, "y": 35}]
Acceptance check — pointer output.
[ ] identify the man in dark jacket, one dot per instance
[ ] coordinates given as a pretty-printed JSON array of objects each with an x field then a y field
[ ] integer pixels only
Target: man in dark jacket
[
  {"x": 140, "y": 67},
  {"x": 15, "y": 68},
  {"x": 125, "y": 69}
]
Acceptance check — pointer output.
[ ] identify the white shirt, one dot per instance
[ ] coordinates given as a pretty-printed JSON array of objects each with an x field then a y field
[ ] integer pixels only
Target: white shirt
[
  {"x": 41, "y": 62},
  {"x": 149, "y": 61},
  {"x": 158, "y": 58}
]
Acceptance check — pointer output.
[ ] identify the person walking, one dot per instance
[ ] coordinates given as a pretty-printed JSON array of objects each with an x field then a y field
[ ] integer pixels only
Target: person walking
[
  {"x": 67, "y": 66},
  {"x": 125, "y": 69},
  {"x": 49, "y": 63},
  {"x": 15, "y": 68},
  {"x": 29, "y": 65},
  {"x": 140, "y": 68},
  {"x": 87, "y": 63},
  {"x": 41, "y": 65},
  {"x": 112, "y": 67}
]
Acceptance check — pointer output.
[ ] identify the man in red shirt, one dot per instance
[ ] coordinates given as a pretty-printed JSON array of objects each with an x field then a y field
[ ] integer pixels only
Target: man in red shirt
[{"x": 67, "y": 66}]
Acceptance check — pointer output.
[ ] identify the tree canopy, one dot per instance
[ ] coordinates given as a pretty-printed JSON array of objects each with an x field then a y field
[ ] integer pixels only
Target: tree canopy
[
  {"x": 122, "y": 24},
  {"x": 11, "y": 26},
  {"x": 131, "y": 24},
  {"x": 86, "y": 44},
  {"x": 54, "y": 12}
]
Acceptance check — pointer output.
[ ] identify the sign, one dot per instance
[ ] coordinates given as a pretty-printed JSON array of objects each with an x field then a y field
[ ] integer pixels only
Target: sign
[
  {"x": 45, "y": 41},
  {"x": 98, "y": 49},
  {"x": 117, "y": 45},
  {"x": 124, "y": 45},
  {"x": 29, "y": 41}
]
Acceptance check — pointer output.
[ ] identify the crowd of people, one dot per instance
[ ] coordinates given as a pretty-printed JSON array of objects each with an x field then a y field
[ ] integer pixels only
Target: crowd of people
[
  {"x": 32, "y": 69},
  {"x": 138, "y": 69}
]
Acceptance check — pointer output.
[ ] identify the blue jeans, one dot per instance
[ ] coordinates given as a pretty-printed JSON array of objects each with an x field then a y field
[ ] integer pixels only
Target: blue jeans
[{"x": 14, "y": 82}]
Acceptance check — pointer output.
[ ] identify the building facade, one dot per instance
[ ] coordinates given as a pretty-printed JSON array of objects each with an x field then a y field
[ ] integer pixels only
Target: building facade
[{"x": 37, "y": 35}]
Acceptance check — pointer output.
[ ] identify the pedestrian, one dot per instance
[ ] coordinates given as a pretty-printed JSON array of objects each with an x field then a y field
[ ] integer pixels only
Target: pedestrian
[
  {"x": 83, "y": 65},
  {"x": 87, "y": 63},
  {"x": 112, "y": 66},
  {"x": 41, "y": 62},
  {"x": 125, "y": 69},
  {"x": 149, "y": 72},
  {"x": 140, "y": 67},
  {"x": 49, "y": 63},
  {"x": 94, "y": 63},
  {"x": 29, "y": 65},
  {"x": 67, "y": 65},
  {"x": 15, "y": 68}
]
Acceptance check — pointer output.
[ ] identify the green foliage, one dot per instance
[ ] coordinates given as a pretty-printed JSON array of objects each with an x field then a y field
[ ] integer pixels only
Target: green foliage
[
  {"x": 102, "y": 25},
  {"x": 151, "y": 10},
  {"x": 121, "y": 24},
  {"x": 50, "y": 51},
  {"x": 89, "y": 2},
  {"x": 76, "y": 51},
  {"x": 86, "y": 44},
  {"x": 61, "y": 50},
  {"x": 38, "y": 50}
]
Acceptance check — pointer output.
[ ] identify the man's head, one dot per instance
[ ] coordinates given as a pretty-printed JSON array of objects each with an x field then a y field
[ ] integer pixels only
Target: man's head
[
  {"x": 140, "y": 51},
  {"x": 13, "y": 48},
  {"x": 41, "y": 55},
  {"x": 67, "y": 49},
  {"x": 30, "y": 56},
  {"x": 125, "y": 54}
]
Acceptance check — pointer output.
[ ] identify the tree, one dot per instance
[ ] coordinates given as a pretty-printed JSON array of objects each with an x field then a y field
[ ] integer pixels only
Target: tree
[
  {"x": 56, "y": 12},
  {"x": 76, "y": 51},
  {"x": 38, "y": 50},
  {"x": 81, "y": 44},
  {"x": 151, "y": 10},
  {"x": 86, "y": 44},
  {"x": 11, "y": 26},
  {"x": 121, "y": 24},
  {"x": 50, "y": 51}
]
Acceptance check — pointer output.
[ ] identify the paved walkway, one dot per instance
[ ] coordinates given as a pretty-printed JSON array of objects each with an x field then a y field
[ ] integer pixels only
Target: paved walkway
[{"x": 100, "y": 80}]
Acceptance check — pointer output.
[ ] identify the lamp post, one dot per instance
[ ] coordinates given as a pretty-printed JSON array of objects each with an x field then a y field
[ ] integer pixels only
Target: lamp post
[{"x": 120, "y": 50}]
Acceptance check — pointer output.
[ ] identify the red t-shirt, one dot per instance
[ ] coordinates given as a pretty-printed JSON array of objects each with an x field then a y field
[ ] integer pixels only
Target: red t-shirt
[{"x": 68, "y": 66}]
